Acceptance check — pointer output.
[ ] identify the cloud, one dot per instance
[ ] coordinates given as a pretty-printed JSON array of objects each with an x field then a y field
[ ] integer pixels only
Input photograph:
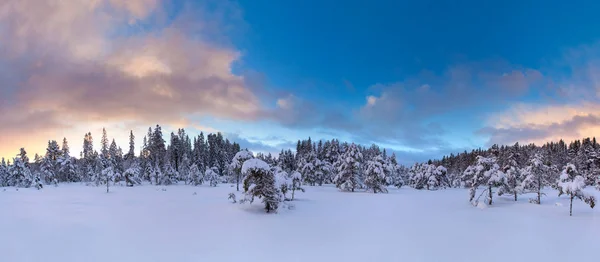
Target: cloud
[
  {"x": 539, "y": 124},
  {"x": 68, "y": 64}
]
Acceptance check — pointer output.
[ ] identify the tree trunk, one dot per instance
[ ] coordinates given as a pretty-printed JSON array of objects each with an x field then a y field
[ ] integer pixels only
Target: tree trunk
[
  {"x": 539, "y": 190},
  {"x": 571, "y": 207},
  {"x": 107, "y": 185},
  {"x": 515, "y": 195},
  {"x": 238, "y": 182},
  {"x": 293, "y": 191},
  {"x": 490, "y": 195}
]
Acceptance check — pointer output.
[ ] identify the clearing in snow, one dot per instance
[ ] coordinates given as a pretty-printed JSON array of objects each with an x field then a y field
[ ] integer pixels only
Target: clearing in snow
[{"x": 77, "y": 223}]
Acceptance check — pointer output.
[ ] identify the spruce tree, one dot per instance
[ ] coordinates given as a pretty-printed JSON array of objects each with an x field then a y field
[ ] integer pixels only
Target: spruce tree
[
  {"x": 376, "y": 178},
  {"x": 347, "y": 178},
  {"x": 536, "y": 176},
  {"x": 259, "y": 182}
]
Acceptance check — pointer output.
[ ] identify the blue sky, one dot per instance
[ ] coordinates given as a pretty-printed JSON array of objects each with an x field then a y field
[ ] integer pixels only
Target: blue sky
[{"x": 423, "y": 78}]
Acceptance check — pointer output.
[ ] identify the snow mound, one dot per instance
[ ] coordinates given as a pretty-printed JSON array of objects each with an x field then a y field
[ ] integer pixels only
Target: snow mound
[
  {"x": 255, "y": 164},
  {"x": 481, "y": 205}
]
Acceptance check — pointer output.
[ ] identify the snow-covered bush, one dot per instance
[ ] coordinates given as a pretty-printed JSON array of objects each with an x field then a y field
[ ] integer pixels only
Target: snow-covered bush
[
  {"x": 572, "y": 184},
  {"x": 259, "y": 182},
  {"x": 211, "y": 176}
]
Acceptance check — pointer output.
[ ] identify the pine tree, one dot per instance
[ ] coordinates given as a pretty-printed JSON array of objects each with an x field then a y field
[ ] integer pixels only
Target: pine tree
[
  {"x": 131, "y": 154},
  {"x": 133, "y": 175},
  {"x": 484, "y": 172},
  {"x": 307, "y": 167},
  {"x": 349, "y": 169},
  {"x": 211, "y": 176},
  {"x": 536, "y": 176},
  {"x": 572, "y": 184},
  {"x": 104, "y": 144},
  {"x": 296, "y": 178},
  {"x": 108, "y": 175},
  {"x": 393, "y": 169},
  {"x": 514, "y": 178},
  {"x": 236, "y": 165},
  {"x": 259, "y": 182},
  {"x": 196, "y": 178},
  {"x": 65, "y": 148},
  {"x": 376, "y": 178},
  {"x": 282, "y": 181},
  {"x": 49, "y": 165},
  {"x": 21, "y": 175}
]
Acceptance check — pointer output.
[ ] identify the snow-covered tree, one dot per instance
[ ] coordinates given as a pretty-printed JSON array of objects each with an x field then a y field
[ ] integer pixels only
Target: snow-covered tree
[
  {"x": 49, "y": 165},
  {"x": 296, "y": 178},
  {"x": 437, "y": 178},
  {"x": 211, "y": 176},
  {"x": 67, "y": 169},
  {"x": 133, "y": 175},
  {"x": 308, "y": 168},
  {"x": 282, "y": 181},
  {"x": 349, "y": 167},
  {"x": 514, "y": 178},
  {"x": 21, "y": 174},
  {"x": 394, "y": 171},
  {"x": 535, "y": 176},
  {"x": 572, "y": 184},
  {"x": 236, "y": 165},
  {"x": 259, "y": 182},
  {"x": 108, "y": 176},
  {"x": 196, "y": 177},
  {"x": 184, "y": 168},
  {"x": 376, "y": 178},
  {"x": 419, "y": 175},
  {"x": 484, "y": 172}
]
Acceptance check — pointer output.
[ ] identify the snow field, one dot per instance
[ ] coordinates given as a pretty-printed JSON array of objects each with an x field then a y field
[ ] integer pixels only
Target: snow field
[{"x": 73, "y": 222}]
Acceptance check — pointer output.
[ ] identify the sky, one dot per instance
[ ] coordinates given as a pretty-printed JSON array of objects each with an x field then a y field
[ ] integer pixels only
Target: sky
[{"x": 421, "y": 78}]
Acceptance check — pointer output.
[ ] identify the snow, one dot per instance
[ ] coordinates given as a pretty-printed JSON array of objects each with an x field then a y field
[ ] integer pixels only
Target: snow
[
  {"x": 254, "y": 164},
  {"x": 77, "y": 223}
]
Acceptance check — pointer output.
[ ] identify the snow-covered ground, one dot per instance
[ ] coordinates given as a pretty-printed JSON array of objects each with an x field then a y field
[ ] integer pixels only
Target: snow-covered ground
[{"x": 80, "y": 223}]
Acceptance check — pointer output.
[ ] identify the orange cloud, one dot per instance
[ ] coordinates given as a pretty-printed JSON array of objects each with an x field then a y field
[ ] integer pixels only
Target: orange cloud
[{"x": 71, "y": 76}]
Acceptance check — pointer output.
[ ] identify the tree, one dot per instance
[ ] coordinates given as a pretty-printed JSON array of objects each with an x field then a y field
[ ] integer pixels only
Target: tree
[
  {"x": 259, "y": 182},
  {"x": 376, "y": 178},
  {"x": 21, "y": 175},
  {"x": 394, "y": 171},
  {"x": 67, "y": 169},
  {"x": 133, "y": 175},
  {"x": 514, "y": 178},
  {"x": 282, "y": 182},
  {"x": 108, "y": 175},
  {"x": 49, "y": 166},
  {"x": 437, "y": 178},
  {"x": 349, "y": 169},
  {"x": 196, "y": 178},
  {"x": 236, "y": 165},
  {"x": 211, "y": 176},
  {"x": 572, "y": 184},
  {"x": 484, "y": 172},
  {"x": 131, "y": 153},
  {"x": 296, "y": 178},
  {"x": 104, "y": 144},
  {"x": 536, "y": 176}
]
